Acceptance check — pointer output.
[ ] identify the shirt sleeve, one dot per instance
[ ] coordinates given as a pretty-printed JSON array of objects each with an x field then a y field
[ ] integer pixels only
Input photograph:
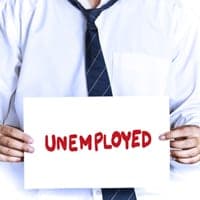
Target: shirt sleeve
[
  {"x": 15, "y": 16},
  {"x": 184, "y": 86}
]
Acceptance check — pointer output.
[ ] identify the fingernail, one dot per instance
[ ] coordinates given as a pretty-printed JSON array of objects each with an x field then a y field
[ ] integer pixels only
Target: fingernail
[
  {"x": 30, "y": 149},
  {"x": 30, "y": 140},
  {"x": 18, "y": 159},
  {"x": 162, "y": 137}
]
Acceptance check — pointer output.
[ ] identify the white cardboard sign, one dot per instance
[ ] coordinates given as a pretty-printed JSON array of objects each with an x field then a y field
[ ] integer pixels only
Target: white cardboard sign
[{"x": 95, "y": 142}]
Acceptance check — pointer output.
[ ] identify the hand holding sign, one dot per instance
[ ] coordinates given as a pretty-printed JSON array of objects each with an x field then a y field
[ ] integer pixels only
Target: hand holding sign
[
  {"x": 185, "y": 144},
  {"x": 13, "y": 144}
]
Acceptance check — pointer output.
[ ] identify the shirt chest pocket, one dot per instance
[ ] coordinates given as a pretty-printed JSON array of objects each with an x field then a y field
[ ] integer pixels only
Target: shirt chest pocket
[{"x": 139, "y": 74}]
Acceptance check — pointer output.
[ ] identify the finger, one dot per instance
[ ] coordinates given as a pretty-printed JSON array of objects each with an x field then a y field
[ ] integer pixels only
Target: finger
[
  {"x": 190, "y": 160},
  {"x": 184, "y": 144},
  {"x": 5, "y": 158},
  {"x": 176, "y": 154},
  {"x": 16, "y": 133},
  {"x": 185, "y": 131},
  {"x": 11, "y": 152},
  {"x": 15, "y": 144}
]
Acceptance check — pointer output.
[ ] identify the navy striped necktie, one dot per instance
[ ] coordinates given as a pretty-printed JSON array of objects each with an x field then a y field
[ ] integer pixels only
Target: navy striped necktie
[{"x": 98, "y": 83}]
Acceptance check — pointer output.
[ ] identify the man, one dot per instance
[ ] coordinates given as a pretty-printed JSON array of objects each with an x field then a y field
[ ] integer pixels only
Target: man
[{"x": 149, "y": 47}]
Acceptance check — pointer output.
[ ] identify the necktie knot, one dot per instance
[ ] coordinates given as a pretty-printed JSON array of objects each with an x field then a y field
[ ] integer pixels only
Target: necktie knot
[{"x": 91, "y": 16}]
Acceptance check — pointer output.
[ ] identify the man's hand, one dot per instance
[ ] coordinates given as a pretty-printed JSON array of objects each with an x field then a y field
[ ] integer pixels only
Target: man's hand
[
  {"x": 184, "y": 143},
  {"x": 13, "y": 144}
]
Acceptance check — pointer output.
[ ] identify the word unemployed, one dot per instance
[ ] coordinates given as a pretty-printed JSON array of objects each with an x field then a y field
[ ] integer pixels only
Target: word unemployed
[{"x": 118, "y": 139}]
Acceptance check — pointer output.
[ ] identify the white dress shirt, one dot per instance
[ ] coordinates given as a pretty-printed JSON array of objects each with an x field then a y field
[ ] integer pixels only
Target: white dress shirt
[{"x": 150, "y": 48}]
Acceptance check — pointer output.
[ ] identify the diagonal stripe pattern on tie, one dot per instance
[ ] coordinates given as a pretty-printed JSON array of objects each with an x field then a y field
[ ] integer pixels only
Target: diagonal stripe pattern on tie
[
  {"x": 119, "y": 194},
  {"x": 98, "y": 83}
]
